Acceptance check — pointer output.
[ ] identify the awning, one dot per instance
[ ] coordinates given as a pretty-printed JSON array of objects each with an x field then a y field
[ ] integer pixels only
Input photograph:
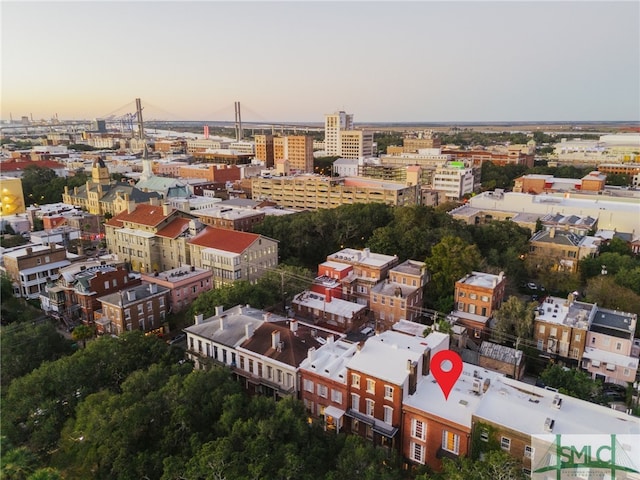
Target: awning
[
  {"x": 333, "y": 412},
  {"x": 384, "y": 429}
]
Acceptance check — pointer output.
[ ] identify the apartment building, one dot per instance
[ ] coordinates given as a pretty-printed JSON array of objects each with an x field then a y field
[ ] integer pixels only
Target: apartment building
[
  {"x": 264, "y": 149},
  {"x": 143, "y": 308},
  {"x": 560, "y": 250},
  {"x": 194, "y": 145},
  {"x": 150, "y": 237},
  {"x": 295, "y": 149},
  {"x": 184, "y": 283},
  {"x": 477, "y": 296},
  {"x": 329, "y": 312},
  {"x": 212, "y": 172},
  {"x": 399, "y": 297},
  {"x": 334, "y": 124},
  {"x": 454, "y": 179},
  {"x": 356, "y": 144},
  {"x": 608, "y": 354},
  {"x": 232, "y": 255},
  {"x": 32, "y": 267},
  {"x": 368, "y": 268},
  {"x": 561, "y": 326},
  {"x": 311, "y": 192}
]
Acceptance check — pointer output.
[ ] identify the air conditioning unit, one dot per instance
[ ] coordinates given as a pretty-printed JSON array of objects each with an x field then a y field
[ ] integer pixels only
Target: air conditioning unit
[
  {"x": 477, "y": 386},
  {"x": 557, "y": 401}
]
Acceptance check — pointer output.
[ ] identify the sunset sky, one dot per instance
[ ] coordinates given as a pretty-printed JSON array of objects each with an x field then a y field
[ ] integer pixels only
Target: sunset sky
[{"x": 295, "y": 60}]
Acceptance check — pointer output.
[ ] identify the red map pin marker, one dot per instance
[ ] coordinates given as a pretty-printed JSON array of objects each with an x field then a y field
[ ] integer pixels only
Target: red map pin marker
[{"x": 451, "y": 361}]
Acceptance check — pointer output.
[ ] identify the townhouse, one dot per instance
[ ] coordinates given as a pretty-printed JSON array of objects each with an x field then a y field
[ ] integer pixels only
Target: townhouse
[
  {"x": 399, "y": 297},
  {"x": 477, "y": 295},
  {"x": 185, "y": 284},
  {"x": 32, "y": 267},
  {"x": 143, "y": 307}
]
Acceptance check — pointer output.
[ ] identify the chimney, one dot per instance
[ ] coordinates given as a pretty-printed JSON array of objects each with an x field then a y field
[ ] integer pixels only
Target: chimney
[
  {"x": 166, "y": 209},
  {"x": 198, "y": 318},
  {"x": 131, "y": 295},
  {"x": 426, "y": 362},
  {"x": 413, "y": 377},
  {"x": 222, "y": 323},
  {"x": 366, "y": 252},
  {"x": 293, "y": 325},
  {"x": 219, "y": 310},
  {"x": 552, "y": 232},
  {"x": 29, "y": 250},
  {"x": 275, "y": 339},
  {"x": 248, "y": 330},
  {"x": 153, "y": 288},
  {"x": 327, "y": 297},
  {"x": 311, "y": 354},
  {"x": 131, "y": 206}
]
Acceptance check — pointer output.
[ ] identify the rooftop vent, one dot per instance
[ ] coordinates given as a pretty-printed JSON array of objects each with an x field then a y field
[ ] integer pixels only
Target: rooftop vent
[
  {"x": 548, "y": 424},
  {"x": 557, "y": 401}
]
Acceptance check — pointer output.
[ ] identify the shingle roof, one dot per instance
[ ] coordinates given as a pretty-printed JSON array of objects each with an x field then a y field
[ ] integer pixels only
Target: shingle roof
[{"x": 223, "y": 239}]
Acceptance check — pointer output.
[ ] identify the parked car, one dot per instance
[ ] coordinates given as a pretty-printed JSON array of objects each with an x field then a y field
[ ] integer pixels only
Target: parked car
[
  {"x": 177, "y": 339},
  {"x": 532, "y": 286}
]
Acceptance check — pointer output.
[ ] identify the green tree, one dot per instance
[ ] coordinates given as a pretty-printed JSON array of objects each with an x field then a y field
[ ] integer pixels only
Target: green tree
[
  {"x": 496, "y": 465},
  {"x": 605, "y": 291},
  {"x": 450, "y": 260},
  {"x": 25, "y": 346},
  {"x": 571, "y": 382},
  {"x": 514, "y": 320},
  {"x": 83, "y": 333}
]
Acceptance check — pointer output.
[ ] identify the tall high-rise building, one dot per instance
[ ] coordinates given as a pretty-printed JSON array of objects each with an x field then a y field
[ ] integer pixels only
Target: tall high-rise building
[
  {"x": 356, "y": 144},
  {"x": 297, "y": 150},
  {"x": 334, "y": 123},
  {"x": 264, "y": 149}
]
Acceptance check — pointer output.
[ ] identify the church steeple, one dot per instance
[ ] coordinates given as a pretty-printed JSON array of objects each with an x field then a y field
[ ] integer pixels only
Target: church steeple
[
  {"x": 147, "y": 171},
  {"x": 100, "y": 172}
]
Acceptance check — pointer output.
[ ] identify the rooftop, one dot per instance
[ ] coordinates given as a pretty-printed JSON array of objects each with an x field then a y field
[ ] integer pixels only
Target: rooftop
[
  {"x": 567, "y": 312},
  {"x": 385, "y": 355},
  {"x": 229, "y": 327},
  {"x": 335, "y": 306},
  {"x": 481, "y": 279},
  {"x": 363, "y": 257},
  {"x": 223, "y": 239},
  {"x": 330, "y": 360}
]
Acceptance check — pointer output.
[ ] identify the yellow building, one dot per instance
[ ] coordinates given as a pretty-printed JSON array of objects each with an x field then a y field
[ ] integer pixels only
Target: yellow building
[
  {"x": 101, "y": 195},
  {"x": 12, "y": 196},
  {"x": 297, "y": 150},
  {"x": 310, "y": 192}
]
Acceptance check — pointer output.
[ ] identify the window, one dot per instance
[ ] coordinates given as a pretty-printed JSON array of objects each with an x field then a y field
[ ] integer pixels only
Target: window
[
  {"x": 388, "y": 414},
  {"x": 418, "y": 429},
  {"x": 370, "y": 405},
  {"x": 417, "y": 452},
  {"x": 355, "y": 380},
  {"x": 106, "y": 285},
  {"x": 505, "y": 443},
  {"x": 322, "y": 390},
  {"x": 618, "y": 346},
  {"x": 484, "y": 435},
  {"x": 450, "y": 442},
  {"x": 541, "y": 329},
  {"x": 308, "y": 385},
  {"x": 554, "y": 331},
  {"x": 161, "y": 301},
  {"x": 371, "y": 386},
  {"x": 528, "y": 451},
  {"x": 577, "y": 337},
  {"x": 388, "y": 392},
  {"x": 336, "y": 396},
  {"x": 355, "y": 402}
]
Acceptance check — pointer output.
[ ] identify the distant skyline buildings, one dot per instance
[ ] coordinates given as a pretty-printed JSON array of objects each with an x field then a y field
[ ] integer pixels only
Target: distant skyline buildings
[{"x": 424, "y": 61}]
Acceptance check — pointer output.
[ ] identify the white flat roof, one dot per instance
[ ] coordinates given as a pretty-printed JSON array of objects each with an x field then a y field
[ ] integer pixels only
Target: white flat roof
[
  {"x": 385, "y": 356},
  {"x": 317, "y": 301},
  {"x": 610, "y": 357}
]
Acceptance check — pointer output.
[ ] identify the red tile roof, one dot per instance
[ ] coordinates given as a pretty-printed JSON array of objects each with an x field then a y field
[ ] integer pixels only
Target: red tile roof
[
  {"x": 176, "y": 227},
  {"x": 144, "y": 214},
  {"x": 16, "y": 166},
  {"x": 223, "y": 239}
]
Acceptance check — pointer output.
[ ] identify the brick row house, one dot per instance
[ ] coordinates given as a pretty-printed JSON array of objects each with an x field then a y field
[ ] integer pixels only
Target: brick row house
[
  {"x": 582, "y": 334},
  {"x": 185, "y": 284},
  {"x": 32, "y": 267},
  {"x": 382, "y": 388},
  {"x": 143, "y": 308},
  {"x": 74, "y": 297}
]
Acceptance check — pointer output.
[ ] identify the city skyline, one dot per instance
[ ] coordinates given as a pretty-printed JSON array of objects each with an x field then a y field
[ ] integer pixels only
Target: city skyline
[{"x": 296, "y": 61}]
